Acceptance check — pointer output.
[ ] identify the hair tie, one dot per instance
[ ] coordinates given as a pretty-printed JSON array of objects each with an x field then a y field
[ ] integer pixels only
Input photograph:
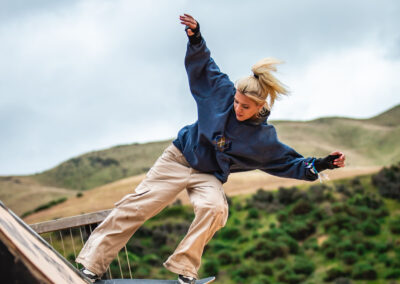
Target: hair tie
[{"x": 255, "y": 76}]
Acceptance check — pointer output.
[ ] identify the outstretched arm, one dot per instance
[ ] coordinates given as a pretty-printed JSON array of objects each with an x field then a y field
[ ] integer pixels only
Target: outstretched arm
[
  {"x": 205, "y": 78},
  {"x": 284, "y": 161}
]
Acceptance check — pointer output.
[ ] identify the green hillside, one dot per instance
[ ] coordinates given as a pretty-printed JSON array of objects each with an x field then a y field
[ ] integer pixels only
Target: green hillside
[
  {"x": 346, "y": 231},
  {"x": 367, "y": 142},
  {"x": 101, "y": 167}
]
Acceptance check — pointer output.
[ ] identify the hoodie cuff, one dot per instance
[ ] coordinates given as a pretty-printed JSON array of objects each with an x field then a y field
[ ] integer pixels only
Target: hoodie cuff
[{"x": 196, "y": 38}]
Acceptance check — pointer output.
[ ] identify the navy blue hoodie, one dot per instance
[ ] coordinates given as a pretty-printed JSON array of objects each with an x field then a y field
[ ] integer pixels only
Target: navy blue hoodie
[{"x": 217, "y": 143}]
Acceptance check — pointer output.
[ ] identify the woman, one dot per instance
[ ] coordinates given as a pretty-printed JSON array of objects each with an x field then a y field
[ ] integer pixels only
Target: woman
[{"x": 230, "y": 135}]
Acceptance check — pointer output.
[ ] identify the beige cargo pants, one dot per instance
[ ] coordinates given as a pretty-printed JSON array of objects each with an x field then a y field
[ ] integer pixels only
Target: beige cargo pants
[{"x": 169, "y": 176}]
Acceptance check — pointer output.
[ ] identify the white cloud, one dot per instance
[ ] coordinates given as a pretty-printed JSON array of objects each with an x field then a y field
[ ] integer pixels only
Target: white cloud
[
  {"x": 356, "y": 82},
  {"x": 89, "y": 74}
]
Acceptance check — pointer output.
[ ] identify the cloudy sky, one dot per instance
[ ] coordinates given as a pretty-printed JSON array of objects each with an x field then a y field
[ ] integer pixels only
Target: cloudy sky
[{"x": 78, "y": 76}]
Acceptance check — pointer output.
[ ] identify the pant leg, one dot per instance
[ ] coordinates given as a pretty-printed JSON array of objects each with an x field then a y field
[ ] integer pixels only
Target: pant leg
[
  {"x": 211, "y": 213},
  {"x": 162, "y": 184}
]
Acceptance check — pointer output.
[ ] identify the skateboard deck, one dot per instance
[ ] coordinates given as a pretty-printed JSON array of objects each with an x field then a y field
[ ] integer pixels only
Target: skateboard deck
[{"x": 151, "y": 281}]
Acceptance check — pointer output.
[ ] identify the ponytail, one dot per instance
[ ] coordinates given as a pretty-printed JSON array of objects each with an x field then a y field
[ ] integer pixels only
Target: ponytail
[{"x": 262, "y": 87}]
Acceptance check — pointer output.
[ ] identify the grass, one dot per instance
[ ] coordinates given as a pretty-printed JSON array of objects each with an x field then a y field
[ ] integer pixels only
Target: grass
[
  {"x": 366, "y": 142},
  {"x": 235, "y": 256}
]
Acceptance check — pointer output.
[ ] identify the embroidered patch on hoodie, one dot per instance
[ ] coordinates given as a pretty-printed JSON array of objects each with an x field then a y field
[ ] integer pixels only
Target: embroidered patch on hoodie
[{"x": 221, "y": 143}]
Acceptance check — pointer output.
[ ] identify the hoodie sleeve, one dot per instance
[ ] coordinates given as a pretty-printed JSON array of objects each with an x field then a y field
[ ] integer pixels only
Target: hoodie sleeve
[
  {"x": 206, "y": 81},
  {"x": 283, "y": 161}
]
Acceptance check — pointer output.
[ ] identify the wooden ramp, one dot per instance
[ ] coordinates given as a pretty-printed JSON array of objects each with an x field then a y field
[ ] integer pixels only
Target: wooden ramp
[{"x": 26, "y": 258}]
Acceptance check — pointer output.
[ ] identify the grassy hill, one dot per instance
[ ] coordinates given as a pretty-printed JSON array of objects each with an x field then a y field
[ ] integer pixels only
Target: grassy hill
[
  {"x": 101, "y": 167},
  {"x": 337, "y": 232},
  {"x": 366, "y": 142}
]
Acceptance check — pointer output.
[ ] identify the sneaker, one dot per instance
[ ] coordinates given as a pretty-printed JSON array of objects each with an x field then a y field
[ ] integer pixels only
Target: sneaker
[
  {"x": 92, "y": 277},
  {"x": 186, "y": 280}
]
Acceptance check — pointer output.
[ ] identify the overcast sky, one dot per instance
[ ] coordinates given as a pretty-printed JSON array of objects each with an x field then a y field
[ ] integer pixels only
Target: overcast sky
[{"x": 78, "y": 76}]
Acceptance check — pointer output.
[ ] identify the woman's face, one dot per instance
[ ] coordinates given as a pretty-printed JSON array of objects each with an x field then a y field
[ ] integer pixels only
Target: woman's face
[{"x": 245, "y": 108}]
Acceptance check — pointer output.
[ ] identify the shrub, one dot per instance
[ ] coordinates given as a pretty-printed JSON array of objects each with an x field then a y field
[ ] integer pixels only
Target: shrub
[
  {"x": 249, "y": 224},
  {"x": 152, "y": 259},
  {"x": 300, "y": 230},
  {"x": 280, "y": 264},
  {"x": 364, "y": 271},
  {"x": 388, "y": 182},
  {"x": 211, "y": 267},
  {"x": 159, "y": 238},
  {"x": 330, "y": 253},
  {"x": 345, "y": 246},
  {"x": 355, "y": 181},
  {"x": 243, "y": 272},
  {"x": 50, "y": 204},
  {"x": 382, "y": 212},
  {"x": 301, "y": 207},
  {"x": 370, "y": 200},
  {"x": 274, "y": 233},
  {"x": 394, "y": 225},
  {"x": 261, "y": 279},
  {"x": 287, "y": 195},
  {"x": 267, "y": 269},
  {"x": 290, "y": 242},
  {"x": 264, "y": 200},
  {"x": 263, "y": 196},
  {"x": 319, "y": 214},
  {"x": 383, "y": 258},
  {"x": 334, "y": 273},
  {"x": 217, "y": 245},
  {"x": 317, "y": 192},
  {"x": 141, "y": 272},
  {"x": 282, "y": 216},
  {"x": 392, "y": 274},
  {"x": 253, "y": 213},
  {"x": 340, "y": 221},
  {"x": 230, "y": 233},
  {"x": 312, "y": 244},
  {"x": 342, "y": 280},
  {"x": 289, "y": 276},
  {"x": 360, "y": 249},
  {"x": 381, "y": 247},
  {"x": 243, "y": 239},
  {"x": 343, "y": 189},
  {"x": 135, "y": 247},
  {"x": 225, "y": 257},
  {"x": 303, "y": 266},
  {"x": 267, "y": 250},
  {"x": 349, "y": 257}
]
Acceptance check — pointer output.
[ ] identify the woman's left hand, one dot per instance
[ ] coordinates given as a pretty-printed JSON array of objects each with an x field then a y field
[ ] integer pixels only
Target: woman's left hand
[{"x": 340, "y": 161}]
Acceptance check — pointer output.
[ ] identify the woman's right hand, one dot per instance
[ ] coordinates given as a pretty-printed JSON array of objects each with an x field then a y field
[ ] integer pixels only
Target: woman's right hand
[{"x": 190, "y": 22}]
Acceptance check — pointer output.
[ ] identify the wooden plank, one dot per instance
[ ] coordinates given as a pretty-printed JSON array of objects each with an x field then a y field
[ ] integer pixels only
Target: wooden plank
[
  {"x": 70, "y": 222},
  {"x": 45, "y": 264}
]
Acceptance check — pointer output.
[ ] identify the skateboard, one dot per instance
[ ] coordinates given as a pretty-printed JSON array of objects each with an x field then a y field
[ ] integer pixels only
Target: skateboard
[{"x": 151, "y": 281}]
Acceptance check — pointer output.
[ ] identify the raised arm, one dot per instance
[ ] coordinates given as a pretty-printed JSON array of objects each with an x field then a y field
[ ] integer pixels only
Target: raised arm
[{"x": 205, "y": 78}]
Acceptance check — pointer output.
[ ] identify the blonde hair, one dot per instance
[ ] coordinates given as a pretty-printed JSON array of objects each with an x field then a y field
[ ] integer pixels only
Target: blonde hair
[{"x": 262, "y": 87}]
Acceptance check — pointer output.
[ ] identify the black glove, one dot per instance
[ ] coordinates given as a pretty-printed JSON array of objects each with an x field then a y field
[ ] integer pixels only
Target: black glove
[
  {"x": 196, "y": 37},
  {"x": 325, "y": 163}
]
